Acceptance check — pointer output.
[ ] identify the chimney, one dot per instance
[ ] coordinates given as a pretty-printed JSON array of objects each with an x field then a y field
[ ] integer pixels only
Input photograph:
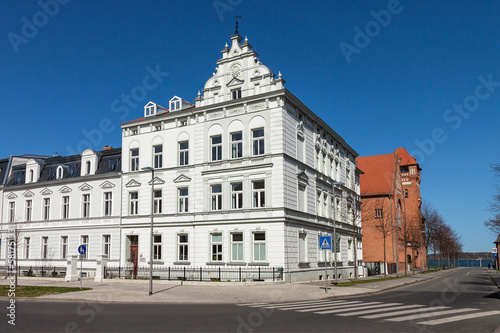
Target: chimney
[{"x": 106, "y": 147}]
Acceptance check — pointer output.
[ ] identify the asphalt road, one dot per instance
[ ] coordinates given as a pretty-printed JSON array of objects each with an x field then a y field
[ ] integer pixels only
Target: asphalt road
[{"x": 464, "y": 300}]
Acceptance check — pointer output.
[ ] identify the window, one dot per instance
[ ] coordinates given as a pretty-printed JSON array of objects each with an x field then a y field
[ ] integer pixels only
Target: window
[
  {"x": 46, "y": 208},
  {"x": 237, "y": 246},
  {"x": 26, "y": 247},
  {"x": 157, "y": 202},
  {"x": 348, "y": 177},
  {"x": 157, "y": 247},
  {"x": 300, "y": 148},
  {"x": 216, "y": 242},
  {"x": 29, "y": 209},
  {"x": 87, "y": 168},
  {"x": 158, "y": 156},
  {"x": 106, "y": 245},
  {"x": 72, "y": 170},
  {"x": 65, "y": 207},
  {"x": 259, "y": 194},
  {"x": 108, "y": 203},
  {"x": 134, "y": 203},
  {"x": 183, "y": 200},
  {"x": 113, "y": 165},
  {"x": 258, "y": 141},
  {"x": 301, "y": 206},
  {"x": 406, "y": 193},
  {"x": 319, "y": 206},
  {"x": 45, "y": 247},
  {"x": 86, "y": 205},
  {"x": 216, "y": 197},
  {"x": 84, "y": 240},
  {"x": 302, "y": 247},
  {"x": 259, "y": 246},
  {"x": 183, "y": 153},
  {"x": 64, "y": 247},
  {"x": 236, "y": 195},
  {"x": 236, "y": 145},
  {"x": 134, "y": 159},
  {"x": 59, "y": 172},
  {"x": 182, "y": 240},
  {"x": 378, "y": 213},
  {"x": 12, "y": 211},
  {"x": 216, "y": 142},
  {"x": 31, "y": 176},
  {"x": 403, "y": 169},
  {"x": 236, "y": 93}
]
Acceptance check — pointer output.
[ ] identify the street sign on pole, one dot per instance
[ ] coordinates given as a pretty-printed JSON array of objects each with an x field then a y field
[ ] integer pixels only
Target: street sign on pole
[
  {"x": 325, "y": 242},
  {"x": 494, "y": 250},
  {"x": 81, "y": 249},
  {"x": 495, "y": 255}
]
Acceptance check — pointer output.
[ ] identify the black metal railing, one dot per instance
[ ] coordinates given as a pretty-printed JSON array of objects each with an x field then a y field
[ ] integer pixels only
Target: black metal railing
[{"x": 188, "y": 273}]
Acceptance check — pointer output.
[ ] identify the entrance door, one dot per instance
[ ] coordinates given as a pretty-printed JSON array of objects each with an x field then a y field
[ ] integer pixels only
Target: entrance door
[{"x": 134, "y": 254}]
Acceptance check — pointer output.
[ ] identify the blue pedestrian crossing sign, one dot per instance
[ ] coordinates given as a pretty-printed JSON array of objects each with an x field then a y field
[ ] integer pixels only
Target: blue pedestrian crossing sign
[
  {"x": 495, "y": 255},
  {"x": 325, "y": 242},
  {"x": 82, "y": 249}
]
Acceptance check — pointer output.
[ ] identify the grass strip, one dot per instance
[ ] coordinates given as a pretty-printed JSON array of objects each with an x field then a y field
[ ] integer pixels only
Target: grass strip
[{"x": 35, "y": 291}]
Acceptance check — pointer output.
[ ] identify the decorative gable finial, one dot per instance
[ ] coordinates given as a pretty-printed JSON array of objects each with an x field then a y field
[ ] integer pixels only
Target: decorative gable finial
[
  {"x": 227, "y": 46},
  {"x": 246, "y": 39},
  {"x": 236, "y": 17},
  {"x": 199, "y": 94},
  {"x": 279, "y": 74}
]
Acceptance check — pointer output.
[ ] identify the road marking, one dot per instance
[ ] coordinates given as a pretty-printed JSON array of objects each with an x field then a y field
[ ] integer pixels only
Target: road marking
[
  {"x": 326, "y": 306},
  {"x": 346, "y": 310},
  {"x": 389, "y": 307},
  {"x": 397, "y": 313},
  {"x": 458, "y": 318},
  {"x": 431, "y": 314},
  {"x": 348, "y": 307},
  {"x": 467, "y": 273},
  {"x": 286, "y": 305}
]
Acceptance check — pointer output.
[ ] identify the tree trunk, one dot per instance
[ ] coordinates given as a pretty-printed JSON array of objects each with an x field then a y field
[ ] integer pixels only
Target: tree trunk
[{"x": 385, "y": 259}]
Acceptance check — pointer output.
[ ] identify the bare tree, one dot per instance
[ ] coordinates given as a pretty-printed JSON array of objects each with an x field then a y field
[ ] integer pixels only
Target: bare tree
[
  {"x": 352, "y": 215},
  {"x": 494, "y": 223},
  {"x": 376, "y": 215},
  {"x": 14, "y": 235},
  {"x": 408, "y": 237}
]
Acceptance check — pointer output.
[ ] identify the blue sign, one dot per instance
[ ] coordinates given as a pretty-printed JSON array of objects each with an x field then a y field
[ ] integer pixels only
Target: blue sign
[
  {"x": 495, "y": 255},
  {"x": 82, "y": 249},
  {"x": 325, "y": 242}
]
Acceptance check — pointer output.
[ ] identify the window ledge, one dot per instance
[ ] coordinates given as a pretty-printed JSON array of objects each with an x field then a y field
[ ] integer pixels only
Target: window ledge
[
  {"x": 182, "y": 263},
  {"x": 236, "y": 263},
  {"x": 215, "y": 263},
  {"x": 258, "y": 264},
  {"x": 156, "y": 262}
]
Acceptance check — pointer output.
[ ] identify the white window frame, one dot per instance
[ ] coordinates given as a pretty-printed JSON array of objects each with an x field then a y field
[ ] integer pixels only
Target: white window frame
[
  {"x": 183, "y": 199},
  {"x": 237, "y": 195},
  {"x": 236, "y": 145},
  {"x": 44, "y": 247},
  {"x": 12, "y": 211},
  {"x": 183, "y": 153},
  {"x": 84, "y": 240},
  {"x": 27, "y": 244},
  {"x": 216, "y": 148},
  {"x": 301, "y": 198},
  {"x": 236, "y": 94},
  {"x": 88, "y": 166},
  {"x": 64, "y": 247},
  {"x": 46, "y": 209},
  {"x": 65, "y": 207},
  {"x": 158, "y": 156},
  {"x": 157, "y": 241},
  {"x": 215, "y": 197},
  {"x": 134, "y": 159},
  {"x": 86, "y": 205},
  {"x": 237, "y": 247},
  {"x": 302, "y": 247},
  {"x": 258, "y": 142},
  {"x": 216, "y": 248},
  {"x": 259, "y": 194},
  {"x": 259, "y": 247},
  {"x": 133, "y": 203},
  {"x": 28, "y": 210},
  {"x": 183, "y": 247},
  {"x": 106, "y": 245},
  {"x": 158, "y": 202},
  {"x": 108, "y": 203},
  {"x": 59, "y": 172}
]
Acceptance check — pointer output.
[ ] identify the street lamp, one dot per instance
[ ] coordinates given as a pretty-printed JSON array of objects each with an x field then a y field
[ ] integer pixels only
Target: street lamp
[
  {"x": 397, "y": 241},
  {"x": 334, "y": 241},
  {"x": 151, "y": 240},
  {"x": 422, "y": 233}
]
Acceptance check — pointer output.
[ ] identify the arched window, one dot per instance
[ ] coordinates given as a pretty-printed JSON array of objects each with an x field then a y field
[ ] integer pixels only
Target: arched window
[
  {"x": 59, "y": 172},
  {"x": 31, "y": 176},
  {"x": 87, "y": 168}
]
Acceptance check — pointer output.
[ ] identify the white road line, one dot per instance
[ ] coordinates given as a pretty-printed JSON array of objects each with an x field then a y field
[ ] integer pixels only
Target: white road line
[
  {"x": 458, "y": 318},
  {"x": 349, "y": 307},
  {"x": 431, "y": 314},
  {"x": 288, "y": 305},
  {"x": 336, "y": 312},
  {"x": 324, "y": 306},
  {"x": 397, "y": 313},
  {"x": 390, "y": 307},
  {"x": 252, "y": 304}
]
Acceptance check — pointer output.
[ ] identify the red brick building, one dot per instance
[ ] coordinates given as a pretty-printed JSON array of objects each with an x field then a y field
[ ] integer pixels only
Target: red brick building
[{"x": 390, "y": 198}]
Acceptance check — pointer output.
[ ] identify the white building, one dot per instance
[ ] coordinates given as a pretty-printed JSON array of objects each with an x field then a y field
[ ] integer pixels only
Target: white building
[
  {"x": 243, "y": 178},
  {"x": 59, "y": 203}
]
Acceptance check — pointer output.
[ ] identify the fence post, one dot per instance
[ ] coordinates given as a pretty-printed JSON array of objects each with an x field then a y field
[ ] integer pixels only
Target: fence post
[
  {"x": 240, "y": 273},
  {"x": 219, "y": 275},
  {"x": 102, "y": 260},
  {"x": 71, "y": 274},
  {"x": 259, "y": 273},
  {"x": 169, "y": 273},
  {"x": 273, "y": 273},
  {"x": 184, "y": 273},
  {"x": 119, "y": 271},
  {"x": 201, "y": 274}
]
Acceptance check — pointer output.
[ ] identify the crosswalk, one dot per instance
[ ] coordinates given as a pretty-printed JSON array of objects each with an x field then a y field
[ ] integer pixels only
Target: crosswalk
[{"x": 393, "y": 312}]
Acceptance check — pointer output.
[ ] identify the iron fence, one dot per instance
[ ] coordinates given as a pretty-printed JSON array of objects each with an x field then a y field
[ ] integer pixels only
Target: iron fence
[
  {"x": 216, "y": 273},
  {"x": 34, "y": 270}
]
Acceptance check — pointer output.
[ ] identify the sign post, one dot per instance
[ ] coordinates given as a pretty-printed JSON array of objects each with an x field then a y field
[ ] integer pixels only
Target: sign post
[
  {"x": 81, "y": 249},
  {"x": 325, "y": 243}
]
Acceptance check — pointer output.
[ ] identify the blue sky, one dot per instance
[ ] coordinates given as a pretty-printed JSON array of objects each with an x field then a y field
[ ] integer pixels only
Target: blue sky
[{"x": 63, "y": 77}]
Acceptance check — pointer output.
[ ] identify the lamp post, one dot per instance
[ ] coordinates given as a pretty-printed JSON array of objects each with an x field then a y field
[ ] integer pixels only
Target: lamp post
[
  {"x": 334, "y": 241},
  {"x": 421, "y": 249},
  {"x": 397, "y": 240},
  {"x": 151, "y": 236}
]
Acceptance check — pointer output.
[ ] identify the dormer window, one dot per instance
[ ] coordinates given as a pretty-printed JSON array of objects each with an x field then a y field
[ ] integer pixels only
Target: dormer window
[
  {"x": 150, "y": 109},
  {"x": 31, "y": 176},
  {"x": 175, "y": 103},
  {"x": 87, "y": 168},
  {"x": 59, "y": 172}
]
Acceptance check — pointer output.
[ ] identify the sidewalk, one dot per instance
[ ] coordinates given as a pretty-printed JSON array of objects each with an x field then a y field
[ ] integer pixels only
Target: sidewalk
[{"x": 136, "y": 291}]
